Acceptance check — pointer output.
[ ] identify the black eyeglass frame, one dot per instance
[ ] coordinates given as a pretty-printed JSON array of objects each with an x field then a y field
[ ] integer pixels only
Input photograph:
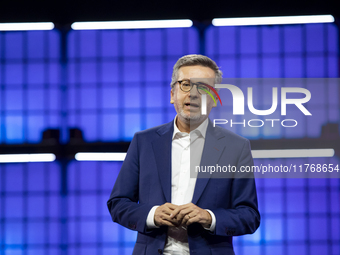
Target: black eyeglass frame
[{"x": 198, "y": 84}]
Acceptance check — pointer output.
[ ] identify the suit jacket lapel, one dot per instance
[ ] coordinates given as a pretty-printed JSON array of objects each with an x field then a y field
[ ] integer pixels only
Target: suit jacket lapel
[
  {"x": 162, "y": 151},
  {"x": 213, "y": 148}
]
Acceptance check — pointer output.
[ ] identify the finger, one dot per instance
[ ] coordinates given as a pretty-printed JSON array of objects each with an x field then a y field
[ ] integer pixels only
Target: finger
[
  {"x": 170, "y": 219},
  {"x": 171, "y": 206},
  {"x": 175, "y": 212},
  {"x": 192, "y": 219},
  {"x": 166, "y": 223},
  {"x": 183, "y": 213}
]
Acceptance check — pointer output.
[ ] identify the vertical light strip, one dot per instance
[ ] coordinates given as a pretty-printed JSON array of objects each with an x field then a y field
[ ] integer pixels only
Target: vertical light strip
[{"x": 204, "y": 104}]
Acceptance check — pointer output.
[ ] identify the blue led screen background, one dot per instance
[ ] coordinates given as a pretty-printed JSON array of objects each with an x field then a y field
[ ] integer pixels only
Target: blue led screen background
[{"x": 113, "y": 83}]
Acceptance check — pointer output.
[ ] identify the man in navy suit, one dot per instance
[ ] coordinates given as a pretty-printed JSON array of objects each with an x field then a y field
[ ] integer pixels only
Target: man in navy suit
[{"x": 154, "y": 194}]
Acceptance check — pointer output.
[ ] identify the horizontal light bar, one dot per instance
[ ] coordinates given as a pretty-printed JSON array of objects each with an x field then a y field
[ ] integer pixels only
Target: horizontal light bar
[
  {"x": 293, "y": 153},
  {"x": 142, "y": 24},
  {"x": 287, "y": 153},
  {"x": 280, "y": 20},
  {"x": 100, "y": 156},
  {"x": 23, "y": 158},
  {"x": 26, "y": 26}
]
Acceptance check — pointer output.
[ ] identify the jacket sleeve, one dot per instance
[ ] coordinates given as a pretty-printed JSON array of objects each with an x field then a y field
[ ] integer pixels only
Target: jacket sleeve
[
  {"x": 123, "y": 203},
  {"x": 243, "y": 216}
]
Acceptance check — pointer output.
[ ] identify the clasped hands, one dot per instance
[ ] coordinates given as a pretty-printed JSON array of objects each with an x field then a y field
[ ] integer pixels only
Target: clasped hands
[{"x": 181, "y": 215}]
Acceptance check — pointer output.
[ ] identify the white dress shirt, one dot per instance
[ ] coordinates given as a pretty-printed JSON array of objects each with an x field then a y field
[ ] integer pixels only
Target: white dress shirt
[{"x": 182, "y": 186}]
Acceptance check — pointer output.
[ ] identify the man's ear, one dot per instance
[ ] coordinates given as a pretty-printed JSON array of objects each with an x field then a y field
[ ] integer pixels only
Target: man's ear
[{"x": 171, "y": 97}]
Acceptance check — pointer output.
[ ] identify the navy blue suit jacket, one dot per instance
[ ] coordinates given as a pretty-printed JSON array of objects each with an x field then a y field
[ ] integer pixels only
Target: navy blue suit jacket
[{"x": 145, "y": 180}]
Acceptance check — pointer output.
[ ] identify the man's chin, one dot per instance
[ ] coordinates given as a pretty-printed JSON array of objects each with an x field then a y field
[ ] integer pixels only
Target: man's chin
[{"x": 191, "y": 117}]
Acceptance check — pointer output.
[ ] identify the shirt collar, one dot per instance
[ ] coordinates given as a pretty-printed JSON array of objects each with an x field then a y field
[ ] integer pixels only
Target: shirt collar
[{"x": 201, "y": 129}]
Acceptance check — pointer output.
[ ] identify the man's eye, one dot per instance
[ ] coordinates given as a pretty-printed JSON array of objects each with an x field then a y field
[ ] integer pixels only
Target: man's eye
[{"x": 186, "y": 84}]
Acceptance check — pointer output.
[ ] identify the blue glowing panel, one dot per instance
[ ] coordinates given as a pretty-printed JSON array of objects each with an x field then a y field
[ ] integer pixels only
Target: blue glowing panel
[
  {"x": 109, "y": 43},
  {"x": 87, "y": 43},
  {"x": 318, "y": 227},
  {"x": 293, "y": 37},
  {"x": 249, "y": 40},
  {"x": 273, "y": 229},
  {"x": 54, "y": 209},
  {"x": 110, "y": 129},
  {"x": 273, "y": 202},
  {"x": 88, "y": 232},
  {"x": 14, "y": 42},
  {"x": 154, "y": 42},
  {"x": 271, "y": 36},
  {"x": 274, "y": 249},
  {"x": 153, "y": 119},
  {"x": 53, "y": 74},
  {"x": 181, "y": 41},
  {"x": 37, "y": 46},
  {"x": 110, "y": 231},
  {"x": 109, "y": 72},
  {"x": 293, "y": 67},
  {"x": 36, "y": 206},
  {"x": 254, "y": 250},
  {"x": 132, "y": 125},
  {"x": 132, "y": 96},
  {"x": 249, "y": 67},
  {"x": 88, "y": 98},
  {"x": 36, "y": 232},
  {"x": 155, "y": 71},
  {"x": 315, "y": 38},
  {"x": 13, "y": 177},
  {"x": 88, "y": 178},
  {"x": 132, "y": 42},
  {"x": 296, "y": 201},
  {"x": 228, "y": 67},
  {"x": 109, "y": 174},
  {"x": 296, "y": 228},
  {"x": 87, "y": 206},
  {"x": 316, "y": 66},
  {"x": 14, "y": 233},
  {"x": 154, "y": 96},
  {"x": 36, "y": 73},
  {"x": 110, "y": 251},
  {"x": 13, "y": 74},
  {"x": 271, "y": 67},
  {"x": 89, "y": 125},
  {"x": 319, "y": 249},
  {"x": 14, "y": 99},
  {"x": 36, "y": 99},
  {"x": 53, "y": 99},
  {"x": 297, "y": 249},
  {"x": 88, "y": 72},
  {"x": 14, "y": 206},
  {"x": 131, "y": 71},
  {"x": 110, "y": 97},
  {"x": 318, "y": 202},
  {"x": 35, "y": 126}
]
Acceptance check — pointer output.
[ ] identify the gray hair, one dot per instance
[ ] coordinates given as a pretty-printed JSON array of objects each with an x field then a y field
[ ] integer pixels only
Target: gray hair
[{"x": 195, "y": 60}]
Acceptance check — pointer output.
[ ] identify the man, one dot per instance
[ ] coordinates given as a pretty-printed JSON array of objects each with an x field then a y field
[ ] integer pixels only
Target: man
[{"x": 154, "y": 194}]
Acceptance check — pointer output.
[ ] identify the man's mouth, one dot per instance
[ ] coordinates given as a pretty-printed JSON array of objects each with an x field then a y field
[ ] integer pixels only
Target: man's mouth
[{"x": 192, "y": 105}]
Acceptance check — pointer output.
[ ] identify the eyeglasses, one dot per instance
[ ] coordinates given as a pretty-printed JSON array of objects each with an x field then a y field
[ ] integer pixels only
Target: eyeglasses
[{"x": 202, "y": 88}]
